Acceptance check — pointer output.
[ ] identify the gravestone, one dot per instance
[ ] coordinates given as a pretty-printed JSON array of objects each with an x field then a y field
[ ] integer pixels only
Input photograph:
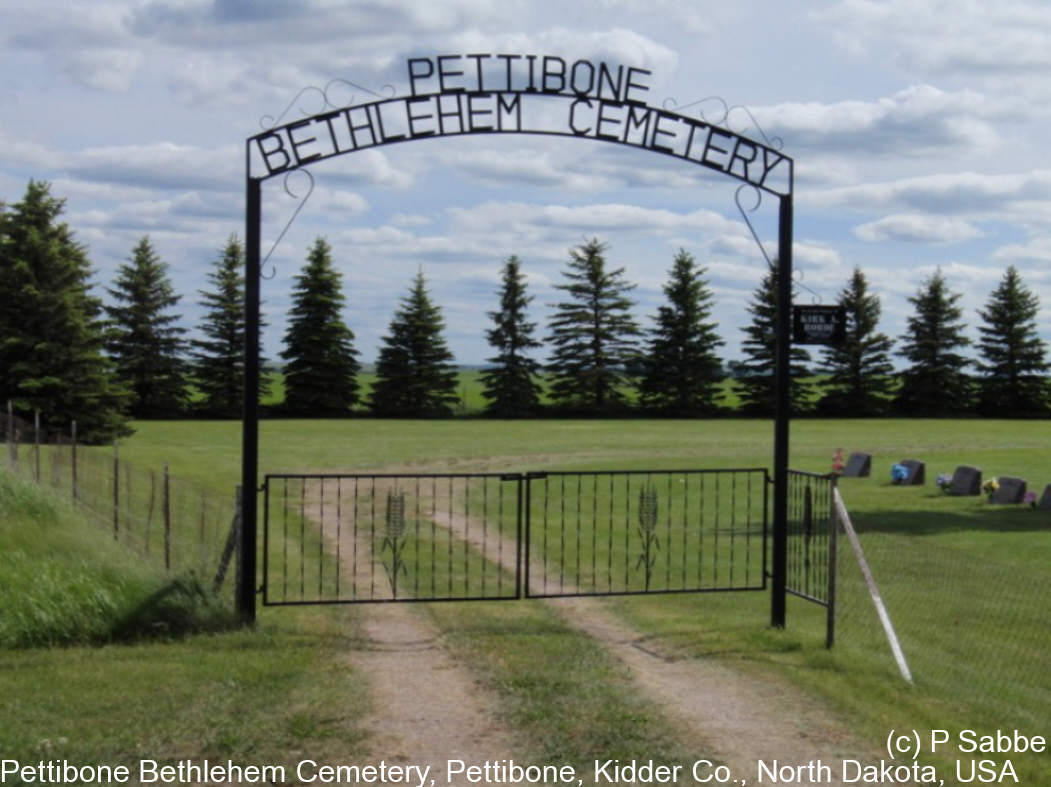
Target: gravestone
[
  {"x": 859, "y": 465},
  {"x": 966, "y": 480},
  {"x": 1045, "y": 499},
  {"x": 917, "y": 472},
  {"x": 1011, "y": 490}
]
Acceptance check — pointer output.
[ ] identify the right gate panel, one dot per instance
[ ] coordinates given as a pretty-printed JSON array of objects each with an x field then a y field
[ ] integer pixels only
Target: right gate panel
[{"x": 659, "y": 531}]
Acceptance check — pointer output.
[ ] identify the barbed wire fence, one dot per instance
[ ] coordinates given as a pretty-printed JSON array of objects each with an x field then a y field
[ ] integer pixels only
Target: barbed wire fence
[
  {"x": 174, "y": 524},
  {"x": 972, "y": 630}
]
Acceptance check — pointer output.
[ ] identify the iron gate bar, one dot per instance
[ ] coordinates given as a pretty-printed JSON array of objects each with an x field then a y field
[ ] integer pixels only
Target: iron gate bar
[{"x": 808, "y": 578}]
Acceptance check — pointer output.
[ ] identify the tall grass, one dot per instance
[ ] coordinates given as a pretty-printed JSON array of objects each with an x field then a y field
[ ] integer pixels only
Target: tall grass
[{"x": 62, "y": 582}]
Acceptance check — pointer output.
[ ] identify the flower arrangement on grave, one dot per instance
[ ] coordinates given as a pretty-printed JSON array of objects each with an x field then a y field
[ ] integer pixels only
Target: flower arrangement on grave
[
  {"x": 837, "y": 462},
  {"x": 1030, "y": 498},
  {"x": 944, "y": 481},
  {"x": 990, "y": 487},
  {"x": 899, "y": 474}
]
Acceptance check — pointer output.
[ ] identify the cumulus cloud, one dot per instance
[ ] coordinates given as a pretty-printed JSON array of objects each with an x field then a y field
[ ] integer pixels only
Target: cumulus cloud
[
  {"x": 498, "y": 167},
  {"x": 1036, "y": 250},
  {"x": 601, "y": 218},
  {"x": 963, "y": 192},
  {"x": 917, "y": 228},
  {"x": 939, "y": 36},
  {"x": 911, "y": 122},
  {"x": 105, "y": 69},
  {"x": 164, "y": 165}
]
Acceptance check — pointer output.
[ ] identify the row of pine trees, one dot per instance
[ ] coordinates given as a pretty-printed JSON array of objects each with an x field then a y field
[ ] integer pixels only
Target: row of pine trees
[{"x": 65, "y": 353}]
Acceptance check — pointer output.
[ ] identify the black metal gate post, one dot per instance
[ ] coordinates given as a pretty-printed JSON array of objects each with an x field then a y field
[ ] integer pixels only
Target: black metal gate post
[
  {"x": 782, "y": 413},
  {"x": 250, "y": 422}
]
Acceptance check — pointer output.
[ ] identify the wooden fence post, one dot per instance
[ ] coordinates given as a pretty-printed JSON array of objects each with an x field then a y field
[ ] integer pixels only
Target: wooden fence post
[
  {"x": 36, "y": 445},
  {"x": 12, "y": 447},
  {"x": 73, "y": 457},
  {"x": 116, "y": 491},
  {"x": 149, "y": 511},
  {"x": 232, "y": 540},
  {"x": 167, "y": 522}
]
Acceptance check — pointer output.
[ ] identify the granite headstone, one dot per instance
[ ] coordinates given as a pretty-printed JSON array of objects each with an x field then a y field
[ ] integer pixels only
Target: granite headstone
[
  {"x": 859, "y": 465},
  {"x": 917, "y": 472},
  {"x": 1011, "y": 490},
  {"x": 1045, "y": 499},
  {"x": 966, "y": 480}
]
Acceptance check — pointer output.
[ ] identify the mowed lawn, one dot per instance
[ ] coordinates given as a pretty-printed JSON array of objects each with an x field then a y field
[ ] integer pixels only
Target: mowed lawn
[{"x": 966, "y": 582}]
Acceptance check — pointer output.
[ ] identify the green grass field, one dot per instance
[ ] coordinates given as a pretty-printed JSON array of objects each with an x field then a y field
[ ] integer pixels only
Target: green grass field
[{"x": 965, "y": 582}]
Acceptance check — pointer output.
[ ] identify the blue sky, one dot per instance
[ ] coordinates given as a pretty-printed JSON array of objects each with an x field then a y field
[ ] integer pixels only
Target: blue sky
[{"x": 918, "y": 130}]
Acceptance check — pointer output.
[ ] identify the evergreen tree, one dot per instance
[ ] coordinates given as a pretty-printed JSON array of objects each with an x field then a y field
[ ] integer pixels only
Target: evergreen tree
[
  {"x": 1013, "y": 366},
  {"x": 593, "y": 333},
  {"x": 320, "y": 360},
  {"x": 143, "y": 340},
  {"x": 219, "y": 370},
  {"x": 681, "y": 370},
  {"x": 510, "y": 385},
  {"x": 859, "y": 370},
  {"x": 51, "y": 332},
  {"x": 415, "y": 376},
  {"x": 757, "y": 383},
  {"x": 936, "y": 383}
]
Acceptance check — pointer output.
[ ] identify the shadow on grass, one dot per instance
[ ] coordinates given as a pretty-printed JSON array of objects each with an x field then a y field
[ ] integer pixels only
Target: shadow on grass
[
  {"x": 993, "y": 518},
  {"x": 184, "y": 605}
]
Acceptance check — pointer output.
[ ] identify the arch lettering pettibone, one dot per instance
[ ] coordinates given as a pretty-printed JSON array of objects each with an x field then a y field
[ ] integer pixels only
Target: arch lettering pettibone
[
  {"x": 456, "y": 95},
  {"x": 548, "y": 95}
]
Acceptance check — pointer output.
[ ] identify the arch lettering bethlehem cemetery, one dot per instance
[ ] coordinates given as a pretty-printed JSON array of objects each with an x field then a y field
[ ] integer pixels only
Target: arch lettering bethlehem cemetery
[{"x": 437, "y": 537}]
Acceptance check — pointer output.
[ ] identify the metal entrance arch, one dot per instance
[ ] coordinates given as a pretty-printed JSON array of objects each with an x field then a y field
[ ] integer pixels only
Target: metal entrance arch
[{"x": 454, "y": 95}]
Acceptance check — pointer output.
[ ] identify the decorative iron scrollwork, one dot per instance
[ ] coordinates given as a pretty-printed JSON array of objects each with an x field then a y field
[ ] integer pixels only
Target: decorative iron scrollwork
[
  {"x": 394, "y": 538},
  {"x": 267, "y": 122},
  {"x": 295, "y": 213},
  {"x": 744, "y": 215},
  {"x": 648, "y": 516},
  {"x": 725, "y": 118}
]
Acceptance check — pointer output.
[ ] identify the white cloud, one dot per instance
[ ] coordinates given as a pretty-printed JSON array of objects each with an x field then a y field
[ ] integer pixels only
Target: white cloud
[
  {"x": 910, "y": 123},
  {"x": 947, "y": 36},
  {"x": 166, "y": 165},
  {"x": 594, "y": 218},
  {"x": 1036, "y": 250},
  {"x": 105, "y": 69},
  {"x": 919, "y": 228},
  {"x": 963, "y": 192}
]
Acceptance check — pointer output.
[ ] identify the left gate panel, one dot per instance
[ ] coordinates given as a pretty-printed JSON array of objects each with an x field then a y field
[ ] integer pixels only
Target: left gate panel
[{"x": 331, "y": 539}]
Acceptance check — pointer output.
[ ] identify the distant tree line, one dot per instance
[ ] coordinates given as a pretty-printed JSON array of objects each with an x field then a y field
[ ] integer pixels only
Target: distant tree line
[{"x": 64, "y": 352}]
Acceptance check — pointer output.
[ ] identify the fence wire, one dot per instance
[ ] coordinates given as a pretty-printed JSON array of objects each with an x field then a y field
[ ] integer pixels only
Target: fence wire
[
  {"x": 172, "y": 523},
  {"x": 973, "y": 630}
]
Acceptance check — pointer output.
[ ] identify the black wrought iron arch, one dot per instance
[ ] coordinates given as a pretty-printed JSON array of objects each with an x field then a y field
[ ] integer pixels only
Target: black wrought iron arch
[{"x": 340, "y": 129}]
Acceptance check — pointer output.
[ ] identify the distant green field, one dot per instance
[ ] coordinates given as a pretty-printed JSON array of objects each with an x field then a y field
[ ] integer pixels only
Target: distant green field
[{"x": 468, "y": 390}]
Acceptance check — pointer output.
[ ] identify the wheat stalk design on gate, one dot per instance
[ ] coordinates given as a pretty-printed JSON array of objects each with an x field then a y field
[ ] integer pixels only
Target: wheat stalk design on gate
[
  {"x": 648, "y": 511},
  {"x": 394, "y": 537}
]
